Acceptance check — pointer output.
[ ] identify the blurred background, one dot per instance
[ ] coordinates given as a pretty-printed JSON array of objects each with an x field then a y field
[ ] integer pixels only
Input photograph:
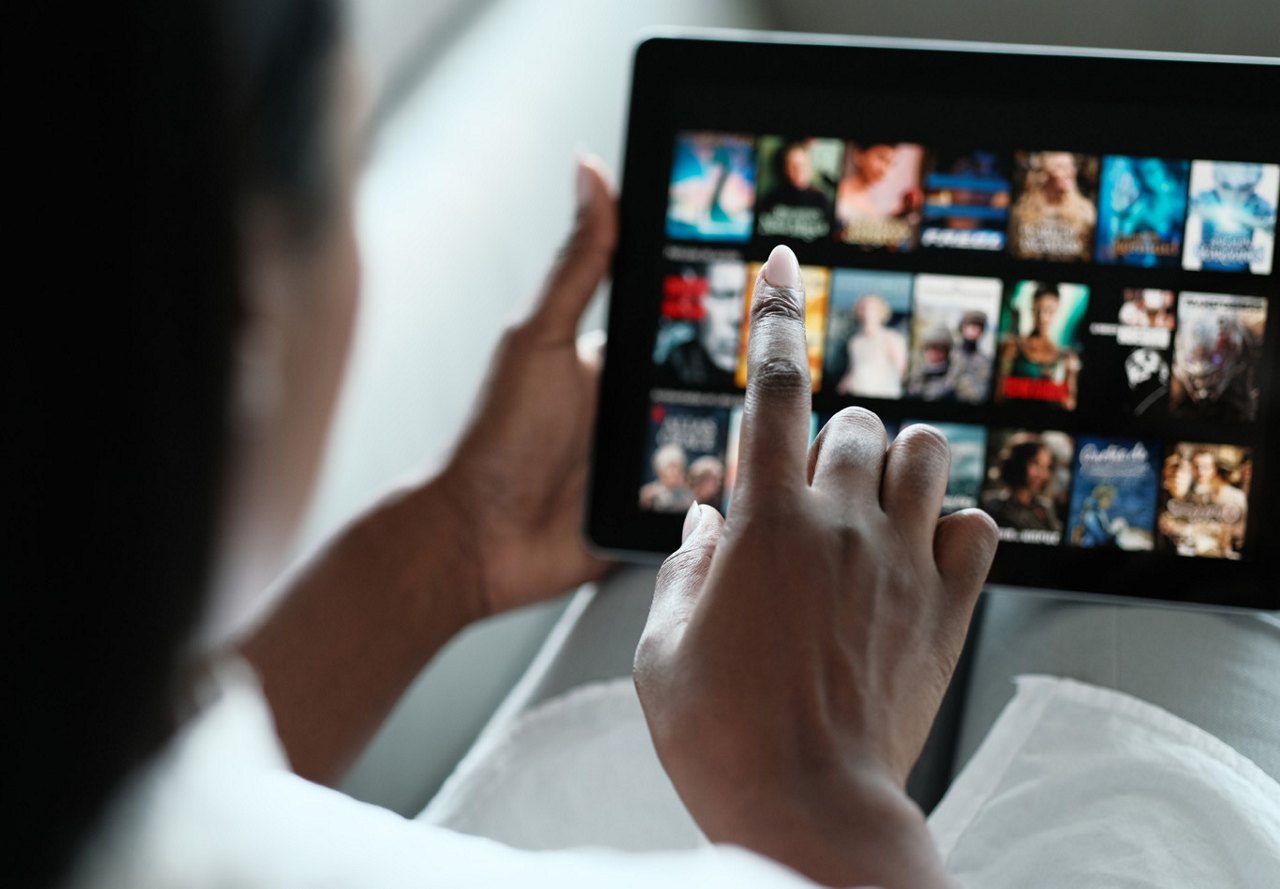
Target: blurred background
[{"x": 475, "y": 110}]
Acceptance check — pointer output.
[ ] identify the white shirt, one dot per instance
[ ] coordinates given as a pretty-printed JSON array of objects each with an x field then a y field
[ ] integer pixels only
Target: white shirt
[{"x": 1074, "y": 786}]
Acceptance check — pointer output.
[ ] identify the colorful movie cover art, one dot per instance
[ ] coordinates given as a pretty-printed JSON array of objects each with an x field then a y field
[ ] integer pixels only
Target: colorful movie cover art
[
  {"x": 1231, "y": 222},
  {"x": 968, "y": 445},
  {"x": 686, "y": 454},
  {"x": 797, "y": 186},
  {"x": 1217, "y": 357},
  {"x": 1113, "y": 498},
  {"x": 817, "y": 280},
  {"x": 867, "y": 340},
  {"x": 1054, "y": 211},
  {"x": 953, "y": 338},
  {"x": 966, "y": 201},
  {"x": 879, "y": 199},
  {"x": 713, "y": 188},
  {"x": 1145, "y": 329},
  {"x": 1040, "y": 344},
  {"x": 1025, "y": 488},
  {"x": 735, "y": 440},
  {"x": 699, "y": 323},
  {"x": 1204, "y": 500},
  {"x": 1142, "y": 208}
]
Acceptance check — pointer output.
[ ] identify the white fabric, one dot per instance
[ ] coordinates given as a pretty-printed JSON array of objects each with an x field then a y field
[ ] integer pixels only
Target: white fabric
[
  {"x": 1077, "y": 785},
  {"x": 1074, "y": 786},
  {"x": 578, "y": 769},
  {"x": 220, "y": 810}
]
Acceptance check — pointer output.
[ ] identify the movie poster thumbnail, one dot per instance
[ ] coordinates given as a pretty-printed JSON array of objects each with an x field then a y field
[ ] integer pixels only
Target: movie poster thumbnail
[
  {"x": 968, "y": 444},
  {"x": 1142, "y": 209},
  {"x": 1217, "y": 357},
  {"x": 713, "y": 188},
  {"x": 1027, "y": 480},
  {"x": 735, "y": 442},
  {"x": 699, "y": 324},
  {"x": 966, "y": 201},
  {"x": 1113, "y": 497},
  {"x": 1145, "y": 331},
  {"x": 1136, "y": 347},
  {"x": 1231, "y": 220},
  {"x": 867, "y": 341},
  {"x": 878, "y": 202},
  {"x": 1204, "y": 494},
  {"x": 1054, "y": 212},
  {"x": 1040, "y": 344},
  {"x": 817, "y": 281},
  {"x": 796, "y": 184},
  {"x": 685, "y": 457},
  {"x": 953, "y": 342}
]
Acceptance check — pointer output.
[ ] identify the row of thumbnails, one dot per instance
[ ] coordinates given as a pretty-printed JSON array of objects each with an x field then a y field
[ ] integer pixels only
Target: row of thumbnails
[
  {"x": 1042, "y": 205},
  {"x": 1041, "y": 487},
  {"x": 974, "y": 340}
]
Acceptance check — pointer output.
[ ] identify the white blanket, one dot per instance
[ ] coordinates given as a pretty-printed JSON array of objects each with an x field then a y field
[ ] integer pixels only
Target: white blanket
[{"x": 1074, "y": 786}]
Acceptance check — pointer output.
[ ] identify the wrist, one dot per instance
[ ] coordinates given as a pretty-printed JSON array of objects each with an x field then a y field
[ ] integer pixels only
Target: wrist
[
  {"x": 443, "y": 558},
  {"x": 855, "y": 827}
]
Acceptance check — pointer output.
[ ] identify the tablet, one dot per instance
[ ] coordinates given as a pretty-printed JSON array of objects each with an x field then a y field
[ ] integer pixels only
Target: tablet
[{"x": 1062, "y": 259}]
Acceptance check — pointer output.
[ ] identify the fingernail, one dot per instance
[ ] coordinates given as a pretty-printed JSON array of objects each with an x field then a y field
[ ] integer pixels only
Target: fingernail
[
  {"x": 691, "y": 520},
  {"x": 583, "y": 183},
  {"x": 782, "y": 269}
]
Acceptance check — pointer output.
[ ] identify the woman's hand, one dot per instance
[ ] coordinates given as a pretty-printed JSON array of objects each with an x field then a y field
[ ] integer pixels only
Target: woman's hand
[
  {"x": 517, "y": 481},
  {"x": 796, "y": 655},
  {"x": 501, "y": 527}
]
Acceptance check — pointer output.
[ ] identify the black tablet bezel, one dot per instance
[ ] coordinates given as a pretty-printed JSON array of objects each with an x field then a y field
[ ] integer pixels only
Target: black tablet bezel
[{"x": 1159, "y": 104}]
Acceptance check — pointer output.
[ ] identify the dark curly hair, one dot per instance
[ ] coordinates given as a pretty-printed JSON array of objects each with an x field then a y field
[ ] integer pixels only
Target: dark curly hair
[{"x": 1013, "y": 468}]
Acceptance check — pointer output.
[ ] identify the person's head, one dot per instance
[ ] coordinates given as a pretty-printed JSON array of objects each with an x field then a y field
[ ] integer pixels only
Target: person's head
[
  {"x": 1104, "y": 495},
  {"x": 706, "y": 479},
  {"x": 1027, "y": 466},
  {"x": 871, "y": 311},
  {"x": 668, "y": 465},
  {"x": 973, "y": 324},
  {"x": 1044, "y": 308},
  {"x": 1154, "y": 174},
  {"x": 721, "y": 324},
  {"x": 215, "y": 385},
  {"x": 794, "y": 164},
  {"x": 873, "y": 162},
  {"x": 1204, "y": 464},
  {"x": 1059, "y": 173},
  {"x": 937, "y": 345},
  {"x": 1234, "y": 182}
]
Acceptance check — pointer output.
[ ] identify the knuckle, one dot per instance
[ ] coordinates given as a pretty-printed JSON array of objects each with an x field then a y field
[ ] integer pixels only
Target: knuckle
[
  {"x": 677, "y": 567},
  {"x": 781, "y": 374},
  {"x": 778, "y": 302},
  {"x": 924, "y": 442},
  {"x": 855, "y": 420}
]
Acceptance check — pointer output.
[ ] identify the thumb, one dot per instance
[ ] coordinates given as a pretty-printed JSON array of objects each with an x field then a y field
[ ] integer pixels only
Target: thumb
[
  {"x": 682, "y": 577},
  {"x": 584, "y": 260}
]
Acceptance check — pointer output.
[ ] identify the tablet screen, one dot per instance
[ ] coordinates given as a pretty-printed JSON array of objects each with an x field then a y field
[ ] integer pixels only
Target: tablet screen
[{"x": 1064, "y": 264}]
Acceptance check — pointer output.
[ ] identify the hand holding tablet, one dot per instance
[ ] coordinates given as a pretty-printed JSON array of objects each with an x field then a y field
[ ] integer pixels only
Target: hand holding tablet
[{"x": 835, "y": 601}]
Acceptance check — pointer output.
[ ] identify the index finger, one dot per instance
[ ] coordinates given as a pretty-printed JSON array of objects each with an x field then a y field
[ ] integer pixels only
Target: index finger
[{"x": 774, "y": 442}]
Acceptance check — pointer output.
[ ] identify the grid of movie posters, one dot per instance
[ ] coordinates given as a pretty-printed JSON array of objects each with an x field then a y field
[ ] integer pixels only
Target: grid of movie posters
[
  {"x": 1081, "y": 412},
  {"x": 1049, "y": 204}
]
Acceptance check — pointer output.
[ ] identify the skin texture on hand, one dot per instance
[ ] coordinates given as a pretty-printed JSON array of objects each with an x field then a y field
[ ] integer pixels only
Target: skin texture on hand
[
  {"x": 518, "y": 477},
  {"x": 796, "y": 655},
  {"x": 499, "y": 528}
]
